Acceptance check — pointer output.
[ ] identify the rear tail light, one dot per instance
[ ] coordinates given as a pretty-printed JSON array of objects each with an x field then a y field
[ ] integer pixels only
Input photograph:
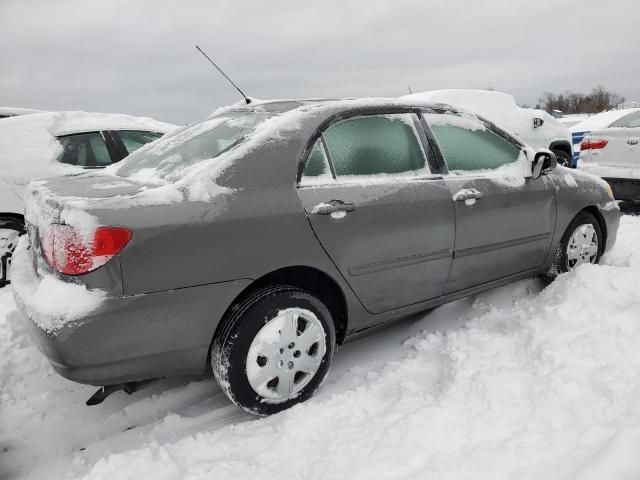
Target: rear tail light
[
  {"x": 593, "y": 144},
  {"x": 71, "y": 253}
]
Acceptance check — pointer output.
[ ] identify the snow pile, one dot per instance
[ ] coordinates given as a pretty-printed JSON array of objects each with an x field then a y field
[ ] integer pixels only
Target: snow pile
[
  {"x": 51, "y": 303},
  {"x": 14, "y": 111},
  {"x": 501, "y": 109},
  {"x": 28, "y": 144},
  {"x": 602, "y": 120},
  {"x": 519, "y": 382}
]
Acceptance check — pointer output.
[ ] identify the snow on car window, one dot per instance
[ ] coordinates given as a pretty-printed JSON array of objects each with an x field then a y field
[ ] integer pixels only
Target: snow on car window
[
  {"x": 460, "y": 120},
  {"x": 168, "y": 157},
  {"x": 470, "y": 148}
]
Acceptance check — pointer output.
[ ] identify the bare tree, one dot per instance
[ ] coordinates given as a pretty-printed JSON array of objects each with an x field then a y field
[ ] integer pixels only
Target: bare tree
[{"x": 598, "y": 100}]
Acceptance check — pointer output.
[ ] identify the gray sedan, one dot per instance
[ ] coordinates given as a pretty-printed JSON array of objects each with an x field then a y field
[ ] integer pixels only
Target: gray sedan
[{"x": 253, "y": 243}]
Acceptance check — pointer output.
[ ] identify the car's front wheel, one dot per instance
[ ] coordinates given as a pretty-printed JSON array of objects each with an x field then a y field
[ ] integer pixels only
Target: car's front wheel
[
  {"x": 10, "y": 231},
  {"x": 274, "y": 349},
  {"x": 581, "y": 243}
]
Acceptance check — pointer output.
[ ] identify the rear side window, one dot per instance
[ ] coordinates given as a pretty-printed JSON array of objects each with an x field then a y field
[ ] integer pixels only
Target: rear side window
[
  {"x": 317, "y": 169},
  {"x": 85, "y": 150},
  {"x": 176, "y": 151},
  {"x": 467, "y": 144},
  {"x": 375, "y": 145},
  {"x": 631, "y": 120},
  {"x": 133, "y": 140}
]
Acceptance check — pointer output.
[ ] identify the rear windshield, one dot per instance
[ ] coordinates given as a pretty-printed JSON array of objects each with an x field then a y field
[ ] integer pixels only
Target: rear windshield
[{"x": 187, "y": 146}]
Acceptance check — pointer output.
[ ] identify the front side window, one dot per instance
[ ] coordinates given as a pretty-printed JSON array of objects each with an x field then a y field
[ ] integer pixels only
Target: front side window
[
  {"x": 468, "y": 145},
  {"x": 133, "y": 139},
  {"x": 375, "y": 145},
  {"x": 85, "y": 150},
  {"x": 632, "y": 120}
]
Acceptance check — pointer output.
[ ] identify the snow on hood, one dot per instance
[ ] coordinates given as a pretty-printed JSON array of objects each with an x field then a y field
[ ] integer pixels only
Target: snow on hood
[
  {"x": 602, "y": 120},
  {"x": 28, "y": 144}
]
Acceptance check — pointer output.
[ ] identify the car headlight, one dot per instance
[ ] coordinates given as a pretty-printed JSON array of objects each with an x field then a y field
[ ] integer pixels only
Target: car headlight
[{"x": 609, "y": 191}]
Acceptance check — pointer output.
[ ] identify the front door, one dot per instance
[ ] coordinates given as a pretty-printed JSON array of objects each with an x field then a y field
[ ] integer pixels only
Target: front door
[
  {"x": 504, "y": 219},
  {"x": 385, "y": 221}
]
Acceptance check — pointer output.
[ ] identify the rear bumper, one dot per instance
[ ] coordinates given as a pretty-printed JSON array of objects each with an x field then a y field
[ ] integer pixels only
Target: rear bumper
[{"x": 134, "y": 338}]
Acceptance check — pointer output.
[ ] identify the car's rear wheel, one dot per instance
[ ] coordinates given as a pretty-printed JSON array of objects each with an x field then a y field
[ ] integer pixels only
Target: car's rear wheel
[
  {"x": 563, "y": 158},
  {"x": 274, "y": 349},
  {"x": 10, "y": 231},
  {"x": 581, "y": 243}
]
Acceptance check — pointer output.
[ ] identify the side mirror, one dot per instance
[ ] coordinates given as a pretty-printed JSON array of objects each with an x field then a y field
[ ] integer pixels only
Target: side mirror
[
  {"x": 537, "y": 122},
  {"x": 544, "y": 161}
]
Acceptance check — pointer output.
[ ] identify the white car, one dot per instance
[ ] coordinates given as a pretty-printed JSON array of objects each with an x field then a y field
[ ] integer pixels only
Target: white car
[
  {"x": 610, "y": 148},
  {"x": 535, "y": 127},
  {"x": 44, "y": 145}
]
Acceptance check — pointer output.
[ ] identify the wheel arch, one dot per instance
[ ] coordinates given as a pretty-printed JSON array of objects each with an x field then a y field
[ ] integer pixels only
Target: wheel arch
[
  {"x": 311, "y": 279},
  {"x": 595, "y": 211}
]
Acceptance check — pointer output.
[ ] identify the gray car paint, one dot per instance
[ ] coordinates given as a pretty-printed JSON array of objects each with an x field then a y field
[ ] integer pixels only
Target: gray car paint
[{"x": 188, "y": 262}]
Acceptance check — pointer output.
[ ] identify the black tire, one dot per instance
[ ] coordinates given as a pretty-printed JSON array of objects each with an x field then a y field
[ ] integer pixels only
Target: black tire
[
  {"x": 563, "y": 158},
  {"x": 232, "y": 342},
  {"x": 560, "y": 261},
  {"x": 9, "y": 223}
]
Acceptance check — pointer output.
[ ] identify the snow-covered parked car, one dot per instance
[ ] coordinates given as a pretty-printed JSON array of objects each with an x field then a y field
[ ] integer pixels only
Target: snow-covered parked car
[
  {"x": 610, "y": 148},
  {"x": 49, "y": 144},
  {"x": 252, "y": 243},
  {"x": 535, "y": 127},
  {"x": 7, "y": 112}
]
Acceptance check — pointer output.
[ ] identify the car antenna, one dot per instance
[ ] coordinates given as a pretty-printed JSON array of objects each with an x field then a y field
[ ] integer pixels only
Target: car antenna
[
  {"x": 246, "y": 99},
  {"x": 409, "y": 87}
]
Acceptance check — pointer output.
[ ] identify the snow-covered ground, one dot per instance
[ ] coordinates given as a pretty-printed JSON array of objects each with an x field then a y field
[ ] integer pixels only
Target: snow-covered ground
[{"x": 519, "y": 382}]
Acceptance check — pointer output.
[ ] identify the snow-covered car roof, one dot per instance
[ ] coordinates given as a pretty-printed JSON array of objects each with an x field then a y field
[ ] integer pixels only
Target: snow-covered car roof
[
  {"x": 13, "y": 111},
  {"x": 602, "y": 120},
  {"x": 29, "y": 147},
  {"x": 498, "y": 107},
  {"x": 477, "y": 100}
]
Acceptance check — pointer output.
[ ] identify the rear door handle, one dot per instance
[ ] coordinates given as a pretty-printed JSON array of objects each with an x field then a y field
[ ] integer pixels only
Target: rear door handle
[
  {"x": 632, "y": 141},
  {"x": 467, "y": 194},
  {"x": 334, "y": 206}
]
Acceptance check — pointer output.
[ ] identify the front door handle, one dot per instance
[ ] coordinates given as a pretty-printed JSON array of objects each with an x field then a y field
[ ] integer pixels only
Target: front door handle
[
  {"x": 467, "y": 194},
  {"x": 334, "y": 206},
  {"x": 632, "y": 141}
]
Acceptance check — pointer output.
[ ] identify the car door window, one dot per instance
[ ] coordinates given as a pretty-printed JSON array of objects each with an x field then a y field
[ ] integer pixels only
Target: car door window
[
  {"x": 133, "y": 139},
  {"x": 375, "y": 145},
  {"x": 467, "y": 144},
  {"x": 631, "y": 120},
  {"x": 85, "y": 150}
]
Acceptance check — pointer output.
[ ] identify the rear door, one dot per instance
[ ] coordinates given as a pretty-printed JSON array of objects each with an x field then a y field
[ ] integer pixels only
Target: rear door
[
  {"x": 384, "y": 219},
  {"x": 504, "y": 218}
]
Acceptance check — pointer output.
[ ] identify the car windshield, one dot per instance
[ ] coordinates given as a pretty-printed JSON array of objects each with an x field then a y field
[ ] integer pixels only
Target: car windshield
[{"x": 187, "y": 146}]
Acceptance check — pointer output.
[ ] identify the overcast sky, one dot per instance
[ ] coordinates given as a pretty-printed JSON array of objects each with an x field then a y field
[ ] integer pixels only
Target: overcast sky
[{"x": 138, "y": 57}]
